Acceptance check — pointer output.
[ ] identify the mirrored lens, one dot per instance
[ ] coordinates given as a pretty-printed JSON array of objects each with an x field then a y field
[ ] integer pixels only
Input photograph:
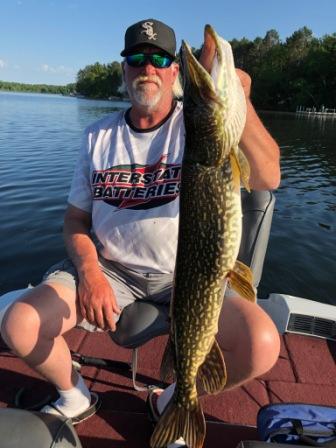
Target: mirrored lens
[
  {"x": 157, "y": 60},
  {"x": 160, "y": 61},
  {"x": 136, "y": 60}
]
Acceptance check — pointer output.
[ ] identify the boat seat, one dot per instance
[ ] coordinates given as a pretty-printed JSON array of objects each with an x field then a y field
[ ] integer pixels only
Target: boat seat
[
  {"x": 143, "y": 320},
  {"x": 20, "y": 428}
]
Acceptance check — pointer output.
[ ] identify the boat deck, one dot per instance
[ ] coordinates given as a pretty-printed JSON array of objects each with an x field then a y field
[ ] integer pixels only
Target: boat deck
[{"x": 305, "y": 372}]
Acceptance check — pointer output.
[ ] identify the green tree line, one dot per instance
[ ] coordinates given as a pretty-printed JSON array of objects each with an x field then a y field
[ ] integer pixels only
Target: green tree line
[
  {"x": 37, "y": 88},
  {"x": 285, "y": 74},
  {"x": 100, "y": 80},
  {"x": 299, "y": 71}
]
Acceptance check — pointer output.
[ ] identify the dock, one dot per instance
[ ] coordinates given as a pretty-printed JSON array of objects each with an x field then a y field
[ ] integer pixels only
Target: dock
[{"x": 323, "y": 112}]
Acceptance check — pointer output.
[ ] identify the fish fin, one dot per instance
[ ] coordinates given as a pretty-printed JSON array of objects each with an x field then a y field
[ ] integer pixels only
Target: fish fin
[
  {"x": 235, "y": 170},
  {"x": 243, "y": 166},
  {"x": 241, "y": 280},
  {"x": 212, "y": 373},
  {"x": 167, "y": 363},
  {"x": 177, "y": 421}
]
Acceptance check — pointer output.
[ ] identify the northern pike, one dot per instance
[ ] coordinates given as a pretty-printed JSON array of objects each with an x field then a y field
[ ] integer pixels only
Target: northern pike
[{"x": 210, "y": 223}]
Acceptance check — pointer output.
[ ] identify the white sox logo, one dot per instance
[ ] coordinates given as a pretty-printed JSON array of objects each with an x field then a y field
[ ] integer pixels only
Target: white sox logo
[{"x": 149, "y": 30}]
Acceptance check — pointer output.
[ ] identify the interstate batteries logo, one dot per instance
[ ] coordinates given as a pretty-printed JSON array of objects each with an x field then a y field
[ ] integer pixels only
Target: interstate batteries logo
[{"x": 136, "y": 186}]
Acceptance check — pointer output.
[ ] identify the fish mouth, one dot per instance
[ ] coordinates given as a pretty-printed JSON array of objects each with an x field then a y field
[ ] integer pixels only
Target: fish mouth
[{"x": 197, "y": 80}]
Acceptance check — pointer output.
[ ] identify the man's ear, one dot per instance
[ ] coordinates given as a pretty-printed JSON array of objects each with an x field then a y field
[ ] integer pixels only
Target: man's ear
[{"x": 176, "y": 69}]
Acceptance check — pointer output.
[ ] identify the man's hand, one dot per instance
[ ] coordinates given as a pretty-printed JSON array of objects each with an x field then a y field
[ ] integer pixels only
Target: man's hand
[
  {"x": 245, "y": 81},
  {"x": 97, "y": 301},
  {"x": 207, "y": 56},
  {"x": 259, "y": 147},
  {"x": 208, "y": 52}
]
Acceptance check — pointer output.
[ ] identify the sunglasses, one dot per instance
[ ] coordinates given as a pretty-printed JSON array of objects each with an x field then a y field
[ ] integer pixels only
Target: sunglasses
[{"x": 157, "y": 60}]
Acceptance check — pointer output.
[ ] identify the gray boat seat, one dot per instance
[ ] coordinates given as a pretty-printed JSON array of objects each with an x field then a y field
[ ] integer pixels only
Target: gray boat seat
[
  {"x": 20, "y": 428},
  {"x": 144, "y": 320}
]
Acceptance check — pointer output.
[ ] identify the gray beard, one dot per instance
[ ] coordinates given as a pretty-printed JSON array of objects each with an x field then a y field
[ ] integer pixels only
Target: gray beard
[
  {"x": 142, "y": 97},
  {"x": 145, "y": 100}
]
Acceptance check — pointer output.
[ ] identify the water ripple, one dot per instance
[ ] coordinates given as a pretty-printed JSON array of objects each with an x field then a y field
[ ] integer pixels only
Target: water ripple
[{"x": 39, "y": 140}]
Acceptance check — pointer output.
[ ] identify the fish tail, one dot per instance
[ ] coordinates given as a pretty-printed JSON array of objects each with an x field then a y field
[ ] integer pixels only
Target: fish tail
[
  {"x": 212, "y": 373},
  {"x": 178, "y": 421}
]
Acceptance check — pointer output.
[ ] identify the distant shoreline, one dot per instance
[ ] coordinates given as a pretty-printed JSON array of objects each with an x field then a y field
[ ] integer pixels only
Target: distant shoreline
[
  {"x": 71, "y": 94},
  {"x": 125, "y": 99},
  {"x": 37, "y": 88},
  {"x": 79, "y": 96}
]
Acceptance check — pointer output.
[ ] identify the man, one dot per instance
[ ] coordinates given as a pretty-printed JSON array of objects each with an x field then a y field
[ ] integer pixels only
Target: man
[{"x": 125, "y": 192}]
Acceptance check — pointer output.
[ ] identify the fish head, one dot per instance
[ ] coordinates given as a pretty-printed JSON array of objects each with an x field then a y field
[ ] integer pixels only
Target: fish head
[
  {"x": 200, "y": 99},
  {"x": 214, "y": 103}
]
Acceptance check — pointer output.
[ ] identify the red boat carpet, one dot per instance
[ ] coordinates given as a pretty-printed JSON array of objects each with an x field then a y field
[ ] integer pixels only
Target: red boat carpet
[{"x": 305, "y": 372}]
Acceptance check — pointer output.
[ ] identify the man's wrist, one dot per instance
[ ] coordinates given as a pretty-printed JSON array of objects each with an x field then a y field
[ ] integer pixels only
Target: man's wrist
[{"x": 87, "y": 268}]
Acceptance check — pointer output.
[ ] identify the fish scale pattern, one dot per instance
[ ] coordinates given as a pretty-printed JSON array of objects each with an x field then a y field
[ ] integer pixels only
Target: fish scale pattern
[
  {"x": 209, "y": 239},
  {"x": 210, "y": 216}
]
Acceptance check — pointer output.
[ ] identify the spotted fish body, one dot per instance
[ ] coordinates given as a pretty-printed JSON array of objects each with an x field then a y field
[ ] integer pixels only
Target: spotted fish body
[{"x": 209, "y": 238}]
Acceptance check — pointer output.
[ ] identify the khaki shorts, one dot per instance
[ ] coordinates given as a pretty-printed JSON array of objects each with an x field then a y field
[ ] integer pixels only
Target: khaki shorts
[{"x": 127, "y": 285}]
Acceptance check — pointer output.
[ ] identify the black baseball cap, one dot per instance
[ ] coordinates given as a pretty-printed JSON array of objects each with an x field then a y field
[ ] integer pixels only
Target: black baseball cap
[{"x": 150, "y": 32}]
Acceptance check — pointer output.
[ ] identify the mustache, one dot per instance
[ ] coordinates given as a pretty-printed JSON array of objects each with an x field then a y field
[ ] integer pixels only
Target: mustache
[{"x": 144, "y": 78}]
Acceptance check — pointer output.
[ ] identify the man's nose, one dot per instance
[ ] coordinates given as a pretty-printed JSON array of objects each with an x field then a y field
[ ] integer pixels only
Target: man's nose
[{"x": 148, "y": 68}]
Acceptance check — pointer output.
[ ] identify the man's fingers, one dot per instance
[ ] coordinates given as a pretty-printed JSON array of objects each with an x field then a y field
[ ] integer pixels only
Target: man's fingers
[
  {"x": 208, "y": 52},
  {"x": 90, "y": 315},
  {"x": 116, "y": 308},
  {"x": 83, "y": 312},
  {"x": 109, "y": 318},
  {"x": 98, "y": 304},
  {"x": 99, "y": 318}
]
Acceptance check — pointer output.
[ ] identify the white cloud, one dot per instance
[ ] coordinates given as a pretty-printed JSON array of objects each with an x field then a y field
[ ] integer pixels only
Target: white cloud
[
  {"x": 60, "y": 69},
  {"x": 3, "y": 64},
  {"x": 45, "y": 67}
]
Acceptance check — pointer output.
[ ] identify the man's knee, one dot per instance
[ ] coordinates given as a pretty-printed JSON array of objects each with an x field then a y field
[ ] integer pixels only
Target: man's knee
[
  {"x": 249, "y": 337},
  {"x": 265, "y": 347},
  {"x": 20, "y": 323},
  {"x": 43, "y": 313}
]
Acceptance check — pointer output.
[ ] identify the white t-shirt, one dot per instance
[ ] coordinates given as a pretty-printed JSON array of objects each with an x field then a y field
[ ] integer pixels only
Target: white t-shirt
[{"x": 129, "y": 180}]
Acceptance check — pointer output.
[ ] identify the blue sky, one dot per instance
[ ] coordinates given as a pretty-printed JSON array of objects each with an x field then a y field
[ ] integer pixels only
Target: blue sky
[{"x": 48, "y": 41}]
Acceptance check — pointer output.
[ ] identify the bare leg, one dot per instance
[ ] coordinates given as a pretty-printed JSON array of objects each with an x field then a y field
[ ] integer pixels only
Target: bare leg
[
  {"x": 249, "y": 340},
  {"x": 33, "y": 328}
]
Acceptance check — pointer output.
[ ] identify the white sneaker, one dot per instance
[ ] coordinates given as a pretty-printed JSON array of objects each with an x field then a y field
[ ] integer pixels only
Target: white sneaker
[{"x": 154, "y": 415}]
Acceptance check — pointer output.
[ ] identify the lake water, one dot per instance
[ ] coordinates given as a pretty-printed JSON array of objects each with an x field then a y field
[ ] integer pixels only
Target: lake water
[{"x": 39, "y": 140}]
